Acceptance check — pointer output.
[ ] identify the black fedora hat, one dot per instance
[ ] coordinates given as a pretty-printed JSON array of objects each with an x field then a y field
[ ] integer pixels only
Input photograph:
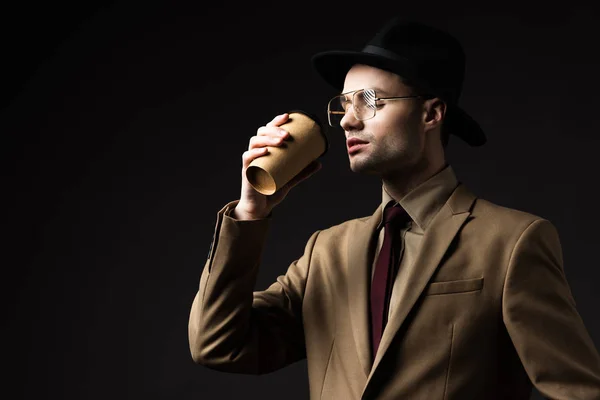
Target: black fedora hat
[{"x": 424, "y": 56}]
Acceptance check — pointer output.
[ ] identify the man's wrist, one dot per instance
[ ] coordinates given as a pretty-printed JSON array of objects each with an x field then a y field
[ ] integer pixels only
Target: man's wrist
[{"x": 241, "y": 215}]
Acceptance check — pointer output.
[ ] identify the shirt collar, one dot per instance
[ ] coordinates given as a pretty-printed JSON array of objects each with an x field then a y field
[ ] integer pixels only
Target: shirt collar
[{"x": 423, "y": 202}]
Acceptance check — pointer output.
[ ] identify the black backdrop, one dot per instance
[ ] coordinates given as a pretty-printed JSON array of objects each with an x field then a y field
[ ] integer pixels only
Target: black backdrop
[{"x": 122, "y": 131}]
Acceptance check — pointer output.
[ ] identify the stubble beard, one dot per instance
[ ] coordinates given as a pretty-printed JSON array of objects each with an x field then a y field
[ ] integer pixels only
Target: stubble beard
[{"x": 383, "y": 159}]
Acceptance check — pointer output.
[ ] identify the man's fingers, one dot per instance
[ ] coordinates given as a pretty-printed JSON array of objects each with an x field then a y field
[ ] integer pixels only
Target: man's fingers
[
  {"x": 273, "y": 131},
  {"x": 252, "y": 154},
  {"x": 278, "y": 120},
  {"x": 263, "y": 141}
]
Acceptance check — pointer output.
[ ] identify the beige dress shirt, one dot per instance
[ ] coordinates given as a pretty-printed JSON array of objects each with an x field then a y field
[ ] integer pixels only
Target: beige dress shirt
[{"x": 422, "y": 204}]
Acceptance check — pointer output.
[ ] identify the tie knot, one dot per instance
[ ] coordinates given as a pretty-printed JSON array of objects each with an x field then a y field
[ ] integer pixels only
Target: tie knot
[{"x": 394, "y": 215}]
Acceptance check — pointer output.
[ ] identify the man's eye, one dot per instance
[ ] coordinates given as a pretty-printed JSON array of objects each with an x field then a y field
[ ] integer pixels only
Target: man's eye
[{"x": 374, "y": 104}]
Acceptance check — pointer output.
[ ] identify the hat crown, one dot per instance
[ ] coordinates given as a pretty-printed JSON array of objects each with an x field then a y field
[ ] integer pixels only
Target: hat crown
[{"x": 437, "y": 58}]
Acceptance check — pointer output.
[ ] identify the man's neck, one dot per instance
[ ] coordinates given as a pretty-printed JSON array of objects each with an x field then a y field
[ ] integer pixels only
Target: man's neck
[{"x": 400, "y": 184}]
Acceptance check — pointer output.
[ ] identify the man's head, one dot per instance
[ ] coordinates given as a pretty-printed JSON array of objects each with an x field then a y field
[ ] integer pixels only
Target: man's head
[
  {"x": 418, "y": 59},
  {"x": 391, "y": 127}
]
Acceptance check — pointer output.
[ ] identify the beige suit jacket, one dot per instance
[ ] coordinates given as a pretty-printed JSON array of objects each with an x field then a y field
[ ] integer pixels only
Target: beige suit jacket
[{"x": 488, "y": 311}]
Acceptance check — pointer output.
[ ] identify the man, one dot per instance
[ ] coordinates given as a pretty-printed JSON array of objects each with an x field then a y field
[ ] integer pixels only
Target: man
[{"x": 457, "y": 298}]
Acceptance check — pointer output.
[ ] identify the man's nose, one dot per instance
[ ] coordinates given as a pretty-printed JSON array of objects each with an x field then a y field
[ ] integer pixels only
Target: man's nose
[{"x": 349, "y": 121}]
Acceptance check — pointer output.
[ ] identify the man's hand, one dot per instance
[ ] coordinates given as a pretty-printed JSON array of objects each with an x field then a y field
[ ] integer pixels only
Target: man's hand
[{"x": 252, "y": 204}]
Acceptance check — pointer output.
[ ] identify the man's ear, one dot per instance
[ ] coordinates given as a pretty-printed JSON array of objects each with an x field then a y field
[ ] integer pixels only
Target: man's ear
[{"x": 435, "y": 110}]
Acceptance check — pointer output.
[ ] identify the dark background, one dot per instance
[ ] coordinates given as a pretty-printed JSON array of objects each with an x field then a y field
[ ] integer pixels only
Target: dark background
[{"x": 122, "y": 131}]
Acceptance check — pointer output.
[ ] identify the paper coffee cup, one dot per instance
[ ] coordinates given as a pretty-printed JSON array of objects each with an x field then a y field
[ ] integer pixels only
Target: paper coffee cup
[{"x": 305, "y": 143}]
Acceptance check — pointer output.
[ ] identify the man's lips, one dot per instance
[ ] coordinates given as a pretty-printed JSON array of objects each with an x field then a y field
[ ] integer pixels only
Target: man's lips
[{"x": 354, "y": 145}]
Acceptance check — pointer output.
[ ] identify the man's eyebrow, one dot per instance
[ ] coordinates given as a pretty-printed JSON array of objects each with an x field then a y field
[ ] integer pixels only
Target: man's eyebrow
[{"x": 378, "y": 90}]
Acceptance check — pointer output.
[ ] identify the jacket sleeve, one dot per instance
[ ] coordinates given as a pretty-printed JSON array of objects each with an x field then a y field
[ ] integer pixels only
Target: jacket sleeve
[
  {"x": 231, "y": 327},
  {"x": 541, "y": 318}
]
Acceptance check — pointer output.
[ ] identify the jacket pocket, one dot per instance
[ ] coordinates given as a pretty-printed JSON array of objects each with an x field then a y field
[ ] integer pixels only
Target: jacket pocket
[{"x": 448, "y": 287}]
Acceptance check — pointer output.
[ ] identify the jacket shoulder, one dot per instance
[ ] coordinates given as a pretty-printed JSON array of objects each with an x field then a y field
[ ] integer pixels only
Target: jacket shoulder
[
  {"x": 490, "y": 218},
  {"x": 487, "y": 209},
  {"x": 343, "y": 230},
  {"x": 347, "y": 225}
]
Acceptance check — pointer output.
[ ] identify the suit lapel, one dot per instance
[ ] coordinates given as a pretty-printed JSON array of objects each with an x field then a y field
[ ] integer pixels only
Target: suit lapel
[
  {"x": 360, "y": 255},
  {"x": 437, "y": 238}
]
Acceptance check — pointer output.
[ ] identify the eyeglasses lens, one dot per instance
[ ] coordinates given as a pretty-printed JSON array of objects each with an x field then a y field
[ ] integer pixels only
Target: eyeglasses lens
[{"x": 363, "y": 104}]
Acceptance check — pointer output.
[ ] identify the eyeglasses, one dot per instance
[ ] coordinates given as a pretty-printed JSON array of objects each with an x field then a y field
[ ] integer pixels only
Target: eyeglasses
[{"x": 363, "y": 105}]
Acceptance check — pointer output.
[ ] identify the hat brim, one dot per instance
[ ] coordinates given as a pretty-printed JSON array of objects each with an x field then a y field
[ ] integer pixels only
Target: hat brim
[
  {"x": 461, "y": 124},
  {"x": 333, "y": 66}
]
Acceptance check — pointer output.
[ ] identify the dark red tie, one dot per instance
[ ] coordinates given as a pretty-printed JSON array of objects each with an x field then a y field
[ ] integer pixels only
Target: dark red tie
[{"x": 382, "y": 282}]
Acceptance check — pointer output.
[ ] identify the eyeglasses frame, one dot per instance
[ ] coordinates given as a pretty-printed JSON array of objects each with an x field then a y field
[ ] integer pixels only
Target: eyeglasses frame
[{"x": 329, "y": 112}]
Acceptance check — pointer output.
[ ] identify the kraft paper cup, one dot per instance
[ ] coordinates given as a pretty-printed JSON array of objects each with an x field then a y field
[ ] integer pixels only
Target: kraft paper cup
[{"x": 305, "y": 143}]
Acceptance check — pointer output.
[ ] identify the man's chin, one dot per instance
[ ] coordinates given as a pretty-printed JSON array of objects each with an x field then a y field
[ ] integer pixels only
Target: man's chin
[{"x": 362, "y": 168}]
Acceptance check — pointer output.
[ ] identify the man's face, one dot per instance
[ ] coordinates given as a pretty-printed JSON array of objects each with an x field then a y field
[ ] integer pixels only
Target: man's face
[{"x": 391, "y": 143}]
